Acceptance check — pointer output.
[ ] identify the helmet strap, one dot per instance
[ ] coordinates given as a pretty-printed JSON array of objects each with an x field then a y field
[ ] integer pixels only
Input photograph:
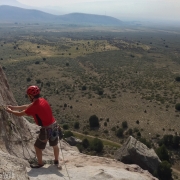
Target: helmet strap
[{"x": 31, "y": 98}]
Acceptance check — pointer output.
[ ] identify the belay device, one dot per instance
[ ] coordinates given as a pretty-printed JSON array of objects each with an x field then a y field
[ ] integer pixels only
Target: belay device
[{"x": 56, "y": 132}]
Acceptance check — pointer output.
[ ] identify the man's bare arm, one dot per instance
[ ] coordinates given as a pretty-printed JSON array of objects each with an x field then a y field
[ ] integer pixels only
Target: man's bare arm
[
  {"x": 16, "y": 113},
  {"x": 19, "y": 108}
]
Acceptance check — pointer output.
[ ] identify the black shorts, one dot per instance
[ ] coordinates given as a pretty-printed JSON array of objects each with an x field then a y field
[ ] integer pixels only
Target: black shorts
[{"x": 41, "y": 141}]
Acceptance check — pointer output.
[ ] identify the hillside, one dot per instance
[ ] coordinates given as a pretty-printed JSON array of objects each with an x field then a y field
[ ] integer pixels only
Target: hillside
[
  {"x": 16, "y": 148},
  {"x": 15, "y": 14}
]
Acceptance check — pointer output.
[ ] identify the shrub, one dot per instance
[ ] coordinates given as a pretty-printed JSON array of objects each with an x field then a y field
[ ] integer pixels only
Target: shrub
[
  {"x": 137, "y": 122},
  {"x": 176, "y": 141},
  {"x": 164, "y": 171},
  {"x": 44, "y": 59},
  {"x": 138, "y": 134},
  {"x": 94, "y": 121},
  {"x": 113, "y": 129},
  {"x": 106, "y": 131},
  {"x": 80, "y": 147},
  {"x": 124, "y": 124},
  {"x": 68, "y": 134},
  {"x": 100, "y": 91},
  {"x": 28, "y": 79},
  {"x": 177, "y": 106},
  {"x": 163, "y": 153},
  {"x": 144, "y": 141},
  {"x": 130, "y": 131},
  {"x": 85, "y": 143},
  {"x": 76, "y": 125},
  {"x": 84, "y": 88},
  {"x": 38, "y": 81},
  {"x": 105, "y": 123},
  {"x": 167, "y": 140},
  {"x": 65, "y": 126},
  {"x": 119, "y": 132},
  {"x": 37, "y": 62},
  {"x": 177, "y": 78},
  {"x": 97, "y": 145}
]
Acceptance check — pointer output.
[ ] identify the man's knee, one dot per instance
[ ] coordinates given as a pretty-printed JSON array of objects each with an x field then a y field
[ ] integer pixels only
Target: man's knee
[{"x": 40, "y": 144}]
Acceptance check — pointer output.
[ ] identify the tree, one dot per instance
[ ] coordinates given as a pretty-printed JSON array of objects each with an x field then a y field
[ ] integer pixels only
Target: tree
[
  {"x": 177, "y": 106},
  {"x": 124, "y": 124},
  {"x": 175, "y": 142},
  {"x": 119, "y": 132},
  {"x": 84, "y": 88},
  {"x": 177, "y": 78},
  {"x": 65, "y": 126},
  {"x": 97, "y": 145},
  {"x": 162, "y": 153},
  {"x": 85, "y": 143},
  {"x": 94, "y": 121},
  {"x": 144, "y": 141},
  {"x": 164, "y": 171},
  {"x": 28, "y": 79},
  {"x": 76, "y": 125}
]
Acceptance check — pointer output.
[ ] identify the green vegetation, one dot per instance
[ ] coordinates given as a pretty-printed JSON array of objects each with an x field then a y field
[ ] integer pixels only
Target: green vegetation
[
  {"x": 164, "y": 171},
  {"x": 128, "y": 79},
  {"x": 68, "y": 134},
  {"x": 94, "y": 121}
]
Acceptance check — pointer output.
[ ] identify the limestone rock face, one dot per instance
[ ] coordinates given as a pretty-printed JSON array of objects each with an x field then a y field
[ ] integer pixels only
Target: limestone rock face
[
  {"x": 12, "y": 167},
  {"x": 135, "y": 152},
  {"x": 12, "y": 129}
]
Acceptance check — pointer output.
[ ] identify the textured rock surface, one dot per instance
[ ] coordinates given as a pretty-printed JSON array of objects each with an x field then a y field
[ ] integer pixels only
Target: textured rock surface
[
  {"x": 135, "y": 152},
  {"x": 12, "y": 167},
  {"x": 17, "y": 137},
  {"x": 83, "y": 167}
]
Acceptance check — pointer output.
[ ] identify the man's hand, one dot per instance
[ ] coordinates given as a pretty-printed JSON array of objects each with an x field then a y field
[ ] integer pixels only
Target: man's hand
[{"x": 8, "y": 109}]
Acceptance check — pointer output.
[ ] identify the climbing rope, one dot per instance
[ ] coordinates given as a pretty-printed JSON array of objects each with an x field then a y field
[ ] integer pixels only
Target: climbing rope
[{"x": 64, "y": 160}]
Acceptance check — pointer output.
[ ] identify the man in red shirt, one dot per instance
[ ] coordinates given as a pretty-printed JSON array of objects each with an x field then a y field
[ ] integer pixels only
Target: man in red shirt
[{"x": 41, "y": 111}]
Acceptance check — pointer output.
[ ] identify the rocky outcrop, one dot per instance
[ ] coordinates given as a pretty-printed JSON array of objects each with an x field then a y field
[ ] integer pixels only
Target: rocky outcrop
[
  {"x": 12, "y": 167},
  {"x": 73, "y": 141},
  {"x": 79, "y": 166},
  {"x": 135, "y": 152},
  {"x": 17, "y": 137}
]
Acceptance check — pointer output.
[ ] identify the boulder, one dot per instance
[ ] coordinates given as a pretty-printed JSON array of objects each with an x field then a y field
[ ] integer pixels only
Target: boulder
[
  {"x": 135, "y": 152},
  {"x": 73, "y": 141}
]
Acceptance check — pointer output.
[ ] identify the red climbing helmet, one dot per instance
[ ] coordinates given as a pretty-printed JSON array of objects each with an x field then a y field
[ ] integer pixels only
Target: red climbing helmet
[{"x": 33, "y": 90}]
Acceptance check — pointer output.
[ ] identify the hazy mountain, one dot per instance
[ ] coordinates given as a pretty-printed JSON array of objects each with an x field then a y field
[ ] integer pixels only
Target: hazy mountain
[
  {"x": 90, "y": 18},
  {"x": 15, "y": 14}
]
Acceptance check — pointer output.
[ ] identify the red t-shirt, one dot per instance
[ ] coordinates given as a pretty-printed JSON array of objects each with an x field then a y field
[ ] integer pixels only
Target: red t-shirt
[{"x": 41, "y": 112}]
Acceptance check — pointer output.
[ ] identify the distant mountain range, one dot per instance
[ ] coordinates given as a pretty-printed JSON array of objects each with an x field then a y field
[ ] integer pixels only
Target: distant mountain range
[{"x": 15, "y": 14}]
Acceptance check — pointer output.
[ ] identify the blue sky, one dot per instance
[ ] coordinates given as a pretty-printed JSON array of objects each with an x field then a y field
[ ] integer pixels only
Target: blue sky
[{"x": 167, "y": 10}]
